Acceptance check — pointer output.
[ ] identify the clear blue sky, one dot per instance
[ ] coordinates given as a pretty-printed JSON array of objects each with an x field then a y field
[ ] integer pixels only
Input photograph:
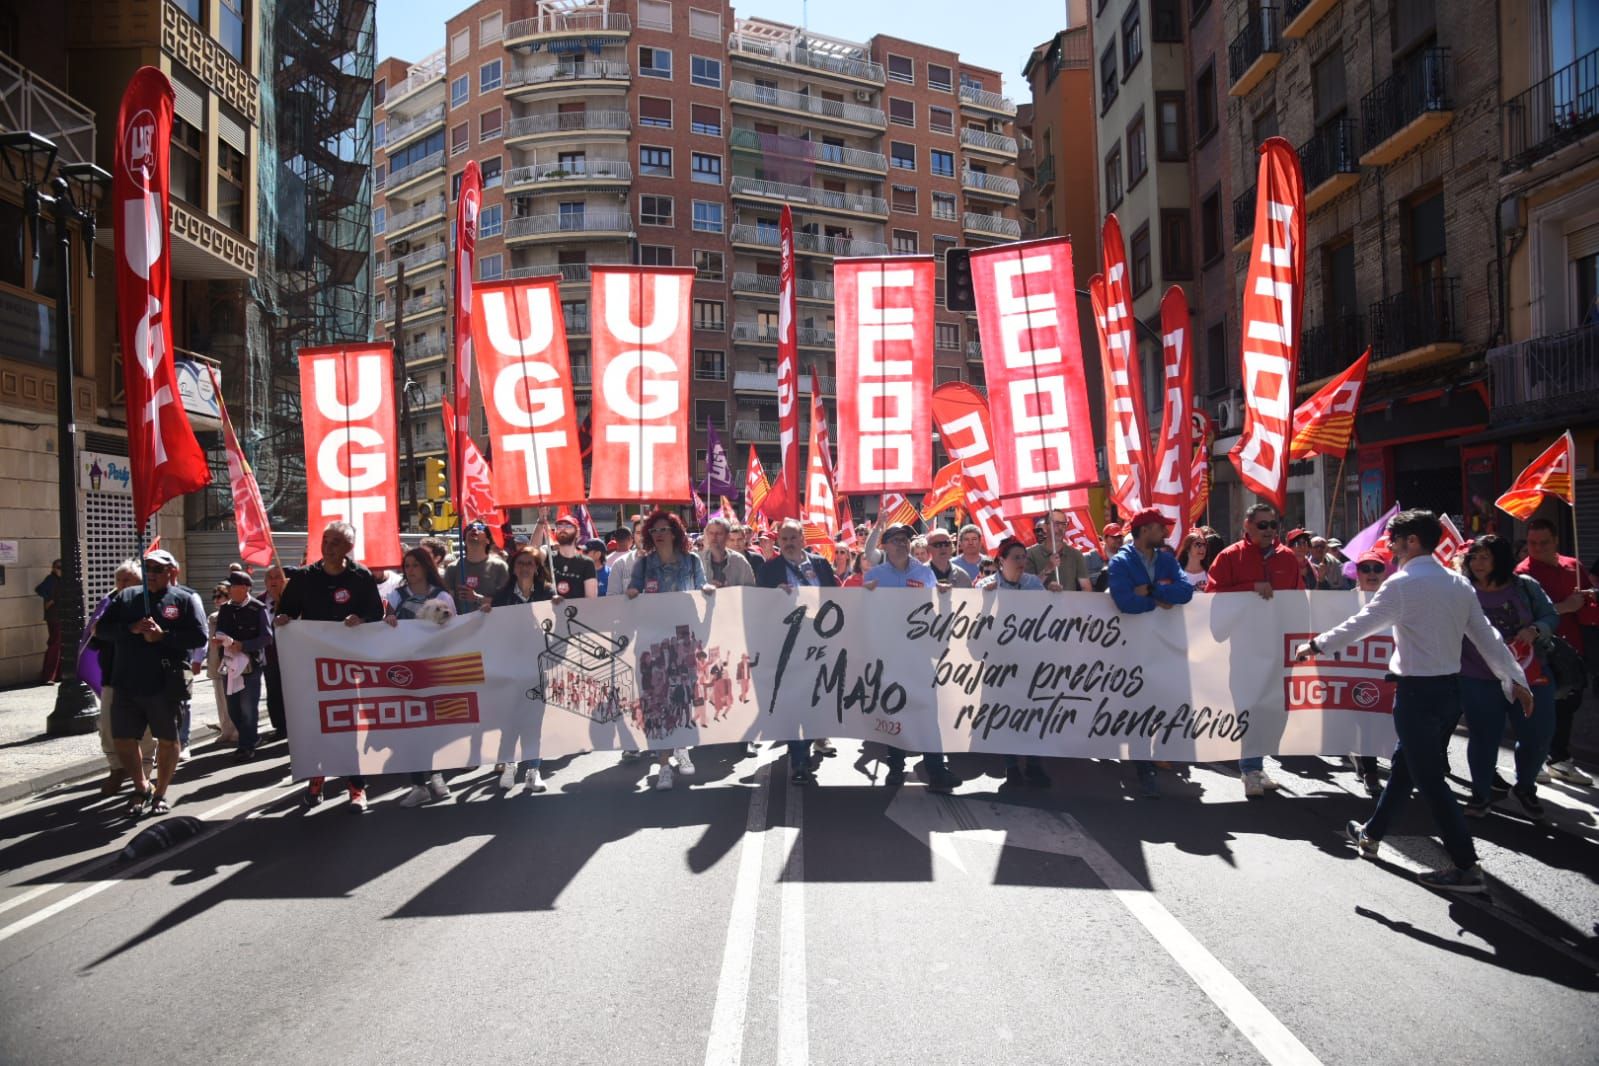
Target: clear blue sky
[{"x": 996, "y": 34}]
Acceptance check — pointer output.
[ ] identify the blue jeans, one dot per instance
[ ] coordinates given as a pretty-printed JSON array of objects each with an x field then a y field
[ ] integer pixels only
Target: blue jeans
[
  {"x": 244, "y": 707},
  {"x": 1254, "y": 764},
  {"x": 1486, "y": 710},
  {"x": 1426, "y": 710},
  {"x": 799, "y": 756}
]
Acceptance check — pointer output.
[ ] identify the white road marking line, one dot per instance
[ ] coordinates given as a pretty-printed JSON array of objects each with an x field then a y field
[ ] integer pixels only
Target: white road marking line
[
  {"x": 94, "y": 888},
  {"x": 793, "y": 1011},
  {"x": 725, "y": 1045},
  {"x": 1271, "y": 1038}
]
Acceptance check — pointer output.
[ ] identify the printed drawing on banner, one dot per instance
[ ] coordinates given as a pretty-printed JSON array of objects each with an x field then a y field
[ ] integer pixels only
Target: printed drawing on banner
[
  {"x": 1351, "y": 679},
  {"x": 583, "y": 672}
]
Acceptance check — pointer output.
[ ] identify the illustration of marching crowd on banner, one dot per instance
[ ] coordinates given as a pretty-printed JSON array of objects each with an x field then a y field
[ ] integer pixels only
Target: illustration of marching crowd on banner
[{"x": 1020, "y": 465}]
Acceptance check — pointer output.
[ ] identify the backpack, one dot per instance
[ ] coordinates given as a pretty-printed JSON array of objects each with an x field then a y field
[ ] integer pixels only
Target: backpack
[{"x": 1563, "y": 663}]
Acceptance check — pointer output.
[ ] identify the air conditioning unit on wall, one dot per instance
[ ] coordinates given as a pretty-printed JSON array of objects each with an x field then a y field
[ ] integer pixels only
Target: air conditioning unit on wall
[
  {"x": 863, "y": 96},
  {"x": 1230, "y": 413}
]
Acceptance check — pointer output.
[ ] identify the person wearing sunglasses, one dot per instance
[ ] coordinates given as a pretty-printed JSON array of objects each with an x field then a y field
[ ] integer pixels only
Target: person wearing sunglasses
[
  {"x": 940, "y": 558},
  {"x": 795, "y": 566},
  {"x": 1258, "y": 562}
]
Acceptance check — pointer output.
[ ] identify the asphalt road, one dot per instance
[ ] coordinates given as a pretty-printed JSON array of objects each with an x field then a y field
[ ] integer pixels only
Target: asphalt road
[{"x": 743, "y": 920}]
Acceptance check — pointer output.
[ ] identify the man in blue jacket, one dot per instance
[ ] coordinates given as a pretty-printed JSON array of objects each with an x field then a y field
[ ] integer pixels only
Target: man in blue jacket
[{"x": 1143, "y": 575}]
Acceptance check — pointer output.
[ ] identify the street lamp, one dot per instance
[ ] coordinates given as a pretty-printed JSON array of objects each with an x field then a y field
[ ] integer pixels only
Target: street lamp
[{"x": 29, "y": 159}]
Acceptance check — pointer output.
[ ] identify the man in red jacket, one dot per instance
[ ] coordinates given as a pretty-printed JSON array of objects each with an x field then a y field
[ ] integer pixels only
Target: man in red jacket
[
  {"x": 1570, "y": 589},
  {"x": 1258, "y": 563}
]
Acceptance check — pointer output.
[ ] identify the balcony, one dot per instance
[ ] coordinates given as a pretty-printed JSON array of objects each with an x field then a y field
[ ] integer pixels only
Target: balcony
[
  {"x": 422, "y": 168},
  {"x": 605, "y": 224},
  {"x": 570, "y": 273},
  {"x": 992, "y": 226},
  {"x": 429, "y": 303},
  {"x": 988, "y": 143},
  {"x": 1302, "y": 16},
  {"x": 28, "y": 102},
  {"x": 427, "y": 211},
  {"x": 565, "y": 125},
  {"x": 823, "y": 155},
  {"x": 1330, "y": 162},
  {"x": 398, "y": 133},
  {"x": 549, "y": 26},
  {"x": 577, "y": 322},
  {"x": 758, "y": 381},
  {"x": 427, "y": 443},
  {"x": 595, "y": 75},
  {"x": 758, "y": 333},
  {"x": 752, "y": 95},
  {"x": 1418, "y": 326},
  {"x": 428, "y": 72},
  {"x": 974, "y": 351},
  {"x": 751, "y": 431},
  {"x": 1329, "y": 348},
  {"x": 764, "y": 238},
  {"x": 1405, "y": 109},
  {"x": 1549, "y": 379},
  {"x": 975, "y": 99},
  {"x": 993, "y": 186},
  {"x": 1255, "y": 52},
  {"x": 1558, "y": 111},
  {"x": 796, "y": 52},
  {"x": 820, "y": 199},
  {"x": 424, "y": 351},
  {"x": 1046, "y": 174},
  {"x": 582, "y": 375},
  {"x": 1243, "y": 220},
  {"x": 416, "y": 261},
  {"x": 572, "y": 173},
  {"x": 749, "y": 284}
]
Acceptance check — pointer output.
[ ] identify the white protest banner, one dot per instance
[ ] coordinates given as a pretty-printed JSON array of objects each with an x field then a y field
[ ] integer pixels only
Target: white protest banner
[{"x": 1060, "y": 674}]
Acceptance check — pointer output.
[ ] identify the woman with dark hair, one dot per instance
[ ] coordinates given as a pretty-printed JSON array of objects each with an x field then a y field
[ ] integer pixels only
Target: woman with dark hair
[
  {"x": 530, "y": 583},
  {"x": 1194, "y": 558},
  {"x": 1520, "y": 610},
  {"x": 1011, "y": 555},
  {"x": 421, "y": 593}
]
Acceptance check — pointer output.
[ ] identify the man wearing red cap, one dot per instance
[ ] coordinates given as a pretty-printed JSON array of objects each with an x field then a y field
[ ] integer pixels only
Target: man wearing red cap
[
  {"x": 573, "y": 572},
  {"x": 1110, "y": 542}
]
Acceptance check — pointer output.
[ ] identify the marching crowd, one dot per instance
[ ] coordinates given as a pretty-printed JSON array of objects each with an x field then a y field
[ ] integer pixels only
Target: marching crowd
[{"x": 1496, "y": 640}]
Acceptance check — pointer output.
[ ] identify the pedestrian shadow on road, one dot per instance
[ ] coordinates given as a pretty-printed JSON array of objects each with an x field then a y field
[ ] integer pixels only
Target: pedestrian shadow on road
[{"x": 1509, "y": 949}]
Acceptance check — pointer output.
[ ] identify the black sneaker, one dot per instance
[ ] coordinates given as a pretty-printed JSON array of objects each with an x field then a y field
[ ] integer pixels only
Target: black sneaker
[
  {"x": 1036, "y": 776},
  {"x": 1529, "y": 803},
  {"x": 1454, "y": 879},
  {"x": 941, "y": 781},
  {"x": 1373, "y": 784},
  {"x": 804, "y": 776},
  {"x": 244, "y": 755},
  {"x": 1500, "y": 786},
  {"x": 1477, "y": 808},
  {"x": 1013, "y": 777}
]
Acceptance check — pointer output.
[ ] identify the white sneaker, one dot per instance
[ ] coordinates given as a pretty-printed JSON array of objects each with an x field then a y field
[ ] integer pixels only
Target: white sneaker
[
  {"x": 1267, "y": 783},
  {"x": 508, "y": 777},
  {"x": 663, "y": 780},
  {"x": 436, "y": 786},
  {"x": 1543, "y": 775},
  {"x": 824, "y": 747},
  {"x": 1253, "y": 786},
  {"x": 1566, "y": 770},
  {"x": 415, "y": 796},
  {"x": 535, "y": 780},
  {"x": 685, "y": 765}
]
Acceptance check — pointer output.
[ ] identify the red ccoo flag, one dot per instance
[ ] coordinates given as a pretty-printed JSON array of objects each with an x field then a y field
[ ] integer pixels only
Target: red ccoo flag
[
  {"x": 755, "y": 487},
  {"x": 1325, "y": 423},
  {"x": 1172, "y": 490},
  {"x": 784, "y": 499},
  {"x": 1547, "y": 475}
]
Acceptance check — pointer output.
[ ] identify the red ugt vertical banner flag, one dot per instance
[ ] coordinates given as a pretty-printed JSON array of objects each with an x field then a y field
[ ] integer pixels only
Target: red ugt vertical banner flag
[
  {"x": 249, "y": 511},
  {"x": 641, "y": 372},
  {"x": 784, "y": 499},
  {"x": 1172, "y": 492},
  {"x": 467, "y": 205},
  {"x": 1043, "y": 444},
  {"x": 519, "y": 338},
  {"x": 165, "y": 458},
  {"x": 476, "y": 492},
  {"x": 351, "y": 466},
  {"x": 1124, "y": 381},
  {"x": 883, "y": 311},
  {"x": 1274, "y": 292}
]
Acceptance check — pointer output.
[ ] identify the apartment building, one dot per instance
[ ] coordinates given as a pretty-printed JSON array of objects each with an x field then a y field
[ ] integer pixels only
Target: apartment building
[
  {"x": 1395, "y": 109},
  {"x": 1545, "y": 371},
  {"x": 671, "y": 133}
]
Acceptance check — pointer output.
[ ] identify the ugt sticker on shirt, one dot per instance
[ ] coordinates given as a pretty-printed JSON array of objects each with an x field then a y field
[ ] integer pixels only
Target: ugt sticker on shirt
[{"x": 341, "y": 596}]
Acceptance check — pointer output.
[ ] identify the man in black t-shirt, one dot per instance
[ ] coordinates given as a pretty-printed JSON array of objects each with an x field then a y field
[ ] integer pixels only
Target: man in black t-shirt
[{"x": 574, "y": 574}]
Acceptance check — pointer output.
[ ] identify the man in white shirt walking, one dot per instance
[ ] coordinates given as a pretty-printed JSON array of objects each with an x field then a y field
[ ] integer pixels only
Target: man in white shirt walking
[{"x": 1430, "y": 610}]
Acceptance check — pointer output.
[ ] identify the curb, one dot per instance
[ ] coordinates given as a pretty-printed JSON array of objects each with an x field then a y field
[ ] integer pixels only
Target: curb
[{"x": 62, "y": 775}]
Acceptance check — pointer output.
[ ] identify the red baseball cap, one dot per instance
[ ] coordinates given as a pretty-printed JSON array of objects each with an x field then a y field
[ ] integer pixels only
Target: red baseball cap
[
  {"x": 1373, "y": 557},
  {"x": 1148, "y": 516},
  {"x": 1110, "y": 529},
  {"x": 566, "y": 516},
  {"x": 1295, "y": 534}
]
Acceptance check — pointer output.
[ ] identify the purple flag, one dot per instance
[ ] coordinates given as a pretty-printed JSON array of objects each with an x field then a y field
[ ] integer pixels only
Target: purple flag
[
  {"x": 88, "y": 658},
  {"x": 718, "y": 471},
  {"x": 1362, "y": 542}
]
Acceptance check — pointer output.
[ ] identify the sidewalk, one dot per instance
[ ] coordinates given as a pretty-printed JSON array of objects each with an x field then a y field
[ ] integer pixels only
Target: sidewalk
[{"x": 31, "y": 762}]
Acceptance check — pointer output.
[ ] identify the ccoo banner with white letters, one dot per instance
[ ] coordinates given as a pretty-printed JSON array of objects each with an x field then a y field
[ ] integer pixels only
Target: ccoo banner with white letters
[
  {"x": 351, "y": 465},
  {"x": 957, "y": 671}
]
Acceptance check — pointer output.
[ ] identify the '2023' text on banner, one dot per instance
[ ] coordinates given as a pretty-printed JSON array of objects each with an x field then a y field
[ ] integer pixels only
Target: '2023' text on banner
[{"x": 956, "y": 671}]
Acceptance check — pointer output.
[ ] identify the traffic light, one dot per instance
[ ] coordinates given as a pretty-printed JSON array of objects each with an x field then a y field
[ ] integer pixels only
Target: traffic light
[
  {"x": 424, "y": 517},
  {"x": 444, "y": 518},
  {"x": 958, "y": 294},
  {"x": 434, "y": 485}
]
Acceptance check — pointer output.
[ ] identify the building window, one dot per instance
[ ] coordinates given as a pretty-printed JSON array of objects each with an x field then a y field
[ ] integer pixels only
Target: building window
[
  {"x": 1108, "y": 83},
  {"x": 655, "y": 211},
  {"x": 380, "y": 219},
  {"x": 455, "y": 184},
  {"x": 1205, "y": 103},
  {"x": 901, "y": 112},
  {"x": 380, "y": 92},
  {"x": 1132, "y": 39},
  {"x": 188, "y": 176},
  {"x": 941, "y": 120},
  {"x": 380, "y": 134},
  {"x": 706, "y": 120},
  {"x": 488, "y": 124},
  {"x": 1171, "y": 115},
  {"x": 379, "y": 175},
  {"x": 1166, "y": 17},
  {"x": 706, "y": 25},
  {"x": 491, "y": 267},
  {"x": 490, "y": 170},
  {"x": 655, "y": 255},
  {"x": 1137, "y": 150},
  {"x": 490, "y": 28},
  {"x": 654, "y": 15},
  {"x": 942, "y": 163},
  {"x": 1176, "y": 244},
  {"x": 705, "y": 71},
  {"x": 231, "y": 167},
  {"x": 902, "y": 155},
  {"x": 1113, "y": 177},
  {"x": 708, "y": 265},
  {"x": 901, "y": 69},
  {"x": 709, "y": 315},
  {"x": 903, "y": 199},
  {"x": 1330, "y": 87},
  {"x": 460, "y": 138},
  {"x": 460, "y": 90},
  {"x": 710, "y": 365},
  {"x": 1216, "y": 356},
  {"x": 655, "y": 111},
  {"x": 488, "y": 76},
  {"x": 491, "y": 221},
  {"x": 707, "y": 216},
  {"x": 656, "y": 162},
  {"x": 1143, "y": 277},
  {"x": 904, "y": 242},
  {"x": 1210, "y": 231},
  {"x": 938, "y": 78},
  {"x": 947, "y": 337},
  {"x": 655, "y": 62},
  {"x": 460, "y": 45},
  {"x": 944, "y": 206},
  {"x": 706, "y": 169},
  {"x": 230, "y": 28}
]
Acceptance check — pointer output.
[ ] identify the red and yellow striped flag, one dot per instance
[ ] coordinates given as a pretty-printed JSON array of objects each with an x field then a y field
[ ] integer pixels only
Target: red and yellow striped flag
[
  {"x": 755, "y": 488},
  {"x": 899, "y": 510},
  {"x": 949, "y": 490},
  {"x": 1325, "y": 423},
  {"x": 1549, "y": 474}
]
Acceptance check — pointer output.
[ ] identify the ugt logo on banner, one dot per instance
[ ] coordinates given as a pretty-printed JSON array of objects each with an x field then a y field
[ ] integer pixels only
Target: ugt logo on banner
[{"x": 351, "y": 467}]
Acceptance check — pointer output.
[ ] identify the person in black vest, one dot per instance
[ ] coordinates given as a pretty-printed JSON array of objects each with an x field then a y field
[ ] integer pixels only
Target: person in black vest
[
  {"x": 154, "y": 627},
  {"x": 333, "y": 589},
  {"x": 795, "y": 567},
  {"x": 243, "y": 634}
]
